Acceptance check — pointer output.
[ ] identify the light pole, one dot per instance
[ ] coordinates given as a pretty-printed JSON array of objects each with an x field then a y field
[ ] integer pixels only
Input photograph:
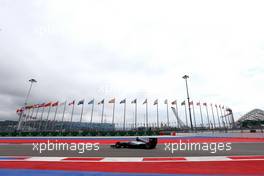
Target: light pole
[
  {"x": 188, "y": 98},
  {"x": 31, "y": 83},
  {"x": 28, "y": 93}
]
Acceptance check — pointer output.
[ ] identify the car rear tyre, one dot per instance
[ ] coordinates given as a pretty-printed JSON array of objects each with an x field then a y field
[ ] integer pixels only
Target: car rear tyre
[
  {"x": 148, "y": 146},
  {"x": 118, "y": 145}
]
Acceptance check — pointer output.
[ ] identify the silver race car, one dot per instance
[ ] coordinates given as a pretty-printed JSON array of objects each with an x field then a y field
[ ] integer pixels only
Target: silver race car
[{"x": 138, "y": 144}]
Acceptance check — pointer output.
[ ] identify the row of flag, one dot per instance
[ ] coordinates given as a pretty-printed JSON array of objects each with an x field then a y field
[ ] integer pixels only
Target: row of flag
[
  {"x": 204, "y": 104},
  {"x": 53, "y": 104},
  {"x": 124, "y": 101},
  {"x": 43, "y": 105}
]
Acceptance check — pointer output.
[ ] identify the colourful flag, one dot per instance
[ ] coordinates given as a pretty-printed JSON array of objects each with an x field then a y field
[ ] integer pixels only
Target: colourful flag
[
  {"x": 80, "y": 102},
  {"x": 183, "y": 103},
  {"x": 41, "y": 105},
  {"x": 48, "y": 104},
  {"x": 134, "y": 101},
  {"x": 35, "y": 105},
  {"x": 166, "y": 101},
  {"x": 198, "y": 104},
  {"x": 19, "y": 110},
  {"x": 146, "y": 101},
  {"x": 63, "y": 103},
  {"x": 123, "y": 101},
  {"x": 29, "y": 106},
  {"x": 174, "y": 102},
  {"x": 155, "y": 102},
  {"x": 91, "y": 102},
  {"x": 55, "y": 104},
  {"x": 205, "y": 104},
  {"x": 72, "y": 103},
  {"x": 101, "y": 102},
  {"x": 112, "y": 100}
]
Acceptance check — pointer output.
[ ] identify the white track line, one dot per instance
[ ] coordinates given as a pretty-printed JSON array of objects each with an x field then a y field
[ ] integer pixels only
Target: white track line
[
  {"x": 128, "y": 159},
  {"x": 45, "y": 158},
  {"x": 206, "y": 158},
  {"x": 122, "y": 159}
]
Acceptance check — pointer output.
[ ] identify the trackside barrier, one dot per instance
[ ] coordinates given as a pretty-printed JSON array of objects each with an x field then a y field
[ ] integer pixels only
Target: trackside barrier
[
  {"x": 136, "y": 133},
  {"x": 83, "y": 133},
  {"x": 224, "y": 135}
]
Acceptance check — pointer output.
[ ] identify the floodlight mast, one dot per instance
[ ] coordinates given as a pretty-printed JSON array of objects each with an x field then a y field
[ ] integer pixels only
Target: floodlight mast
[
  {"x": 188, "y": 98},
  {"x": 25, "y": 104}
]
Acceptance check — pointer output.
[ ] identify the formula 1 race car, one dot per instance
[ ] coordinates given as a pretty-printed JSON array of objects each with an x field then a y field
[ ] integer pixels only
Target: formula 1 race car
[{"x": 138, "y": 144}]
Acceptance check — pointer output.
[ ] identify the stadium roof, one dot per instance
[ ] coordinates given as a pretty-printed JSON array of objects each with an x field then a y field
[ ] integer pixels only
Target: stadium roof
[{"x": 255, "y": 114}]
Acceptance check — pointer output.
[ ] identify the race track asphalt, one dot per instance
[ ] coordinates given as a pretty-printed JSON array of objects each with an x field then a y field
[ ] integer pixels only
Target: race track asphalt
[{"x": 244, "y": 148}]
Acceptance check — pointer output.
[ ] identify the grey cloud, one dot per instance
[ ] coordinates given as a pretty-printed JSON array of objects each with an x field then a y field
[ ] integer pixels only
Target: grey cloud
[{"x": 35, "y": 44}]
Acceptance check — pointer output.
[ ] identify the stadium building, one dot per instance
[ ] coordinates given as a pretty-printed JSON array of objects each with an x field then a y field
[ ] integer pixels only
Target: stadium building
[{"x": 253, "y": 119}]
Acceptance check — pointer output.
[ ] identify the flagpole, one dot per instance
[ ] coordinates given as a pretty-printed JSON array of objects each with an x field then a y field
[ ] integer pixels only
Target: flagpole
[
  {"x": 41, "y": 118},
  {"x": 47, "y": 118},
  {"x": 24, "y": 122},
  {"x": 147, "y": 114},
  {"x": 124, "y": 124},
  {"x": 157, "y": 114},
  {"x": 186, "y": 115},
  {"x": 213, "y": 115},
  {"x": 81, "y": 113},
  {"x": 136, "y": 114},
  {"x": 31, "y": 116},
  {"x": 168, "y": 121},
  {"x": 35, "y": 124},
  {"x": 228, "y": 119},
  {"x": 19, "y": 125},
  {"x": 218, "y": 116},
  {"x": 225, "y": 114},
  {"x": 224, "y": 117},
  {"x": 177, "y": 111},
  {"x": 102, "y": 117},
  {"x": 207, "y": 113},
  {"x": 194, "y": 118},
  {"x": 72, "y": 115},
  {"x": 113, "y": 118},
  {"x": 144, "y": 121},
  {"x": 212, "y": 126},
  {"x": 223, "y": 120},
  {"x": 91, "y": 120},
  {"x": 63, "y": 113},
  {"x": 27, "y": 118},
  {"x": 55, "y": 117},
  {"x": 201, "y": 114}
]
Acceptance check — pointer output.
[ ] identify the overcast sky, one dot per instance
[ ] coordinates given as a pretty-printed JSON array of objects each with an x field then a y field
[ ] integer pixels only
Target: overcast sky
[{"x": 98, "y": 49}]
